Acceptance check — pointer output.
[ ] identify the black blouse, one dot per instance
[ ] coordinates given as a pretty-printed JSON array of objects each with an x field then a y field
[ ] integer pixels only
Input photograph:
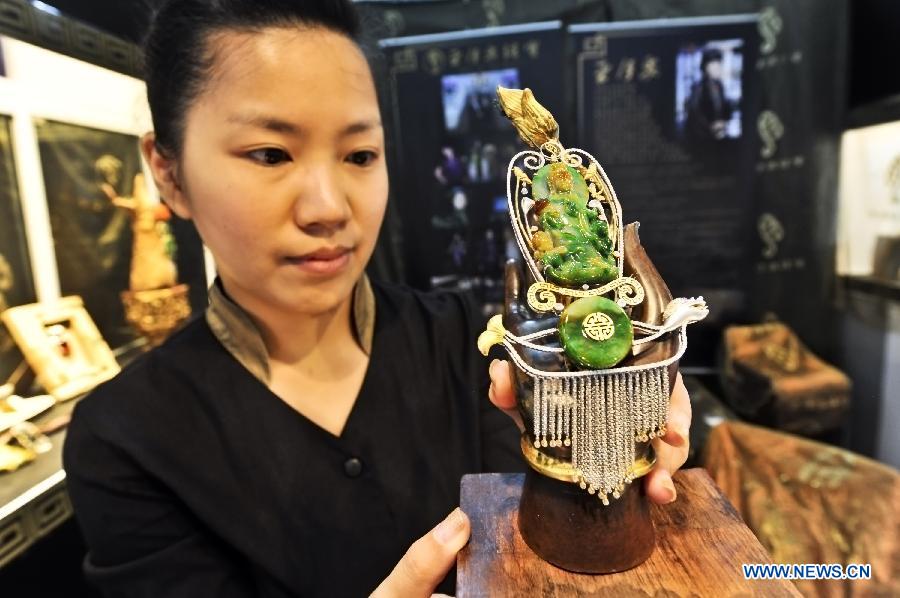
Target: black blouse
[{"x": 190, "y": 478}]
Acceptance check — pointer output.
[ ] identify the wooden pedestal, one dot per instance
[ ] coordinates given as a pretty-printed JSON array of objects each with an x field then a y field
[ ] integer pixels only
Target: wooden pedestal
[
  {"x": 598, "y": 538},
  {"x": 701, "y": 543}
]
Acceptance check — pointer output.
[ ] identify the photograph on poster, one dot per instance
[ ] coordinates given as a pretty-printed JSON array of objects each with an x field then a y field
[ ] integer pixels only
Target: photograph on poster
[
  {"x": 469, "y": 100},
  {"x": 477, "y": 143},
  {"x": 474, "y": 127},
  {"x": 453, "y": 145},
  {"x": 16, "y": 285},
  {"x": 708, "y": 90},
  {"x": 83, "y": 168}
]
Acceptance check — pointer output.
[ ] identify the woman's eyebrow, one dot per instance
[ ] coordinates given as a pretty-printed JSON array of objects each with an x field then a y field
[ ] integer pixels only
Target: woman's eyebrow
[
  {"x": 268, "y": 123},
  {"x": 360, "y": 127},
  {"x": 278, "y": 125}
]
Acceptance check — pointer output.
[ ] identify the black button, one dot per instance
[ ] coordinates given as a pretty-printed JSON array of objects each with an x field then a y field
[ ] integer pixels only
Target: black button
[{"x": 353, "y": 467}]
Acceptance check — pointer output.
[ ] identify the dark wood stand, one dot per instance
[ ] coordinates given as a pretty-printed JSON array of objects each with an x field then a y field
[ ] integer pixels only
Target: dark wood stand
[
  {"x": 595, "y": 538},
  {"x": 701, "y": 543}
]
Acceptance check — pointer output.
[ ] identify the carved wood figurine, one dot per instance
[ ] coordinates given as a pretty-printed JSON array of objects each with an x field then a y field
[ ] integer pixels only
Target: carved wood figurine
[
  {"x": 154, "y": 304},
  {"x": 596, "y": 338},
  {"x": 152, "y": 250}
]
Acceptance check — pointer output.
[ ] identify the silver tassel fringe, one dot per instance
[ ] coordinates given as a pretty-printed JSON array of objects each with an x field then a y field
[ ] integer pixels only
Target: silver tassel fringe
[{"x": 601, "y": 417}]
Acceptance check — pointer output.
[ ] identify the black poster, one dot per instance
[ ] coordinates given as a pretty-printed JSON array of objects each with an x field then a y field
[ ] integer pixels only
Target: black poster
[
  {"x": 93, "y": 238},
  {"x": 452, "y": 145},
  {"x": 669, "y": 108},
  {"x": 395, "y": 18},
  {"x": 16, "y": 284},
  {"x": 802, "y": 68}
]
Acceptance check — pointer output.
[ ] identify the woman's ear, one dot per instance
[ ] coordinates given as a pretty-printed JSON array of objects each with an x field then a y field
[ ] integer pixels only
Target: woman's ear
[{"x": 165, "y": 174}]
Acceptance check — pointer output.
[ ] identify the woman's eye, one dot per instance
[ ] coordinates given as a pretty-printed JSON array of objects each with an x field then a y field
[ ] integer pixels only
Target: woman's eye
[
  {"x": 269, "y": 156},
  {"x": 362, "y": 158}
]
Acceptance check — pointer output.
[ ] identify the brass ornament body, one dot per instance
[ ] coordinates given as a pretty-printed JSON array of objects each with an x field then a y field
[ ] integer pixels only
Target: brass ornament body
[{"x": 155, "y": 304}]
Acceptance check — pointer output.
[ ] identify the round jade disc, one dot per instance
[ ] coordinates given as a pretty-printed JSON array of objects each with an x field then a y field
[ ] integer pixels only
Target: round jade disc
[{"x": 595, "y": 332}]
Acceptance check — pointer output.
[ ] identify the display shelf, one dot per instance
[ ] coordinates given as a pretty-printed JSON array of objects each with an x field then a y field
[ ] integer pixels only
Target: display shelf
[
  {"x": 874, "y": 113},
  {"x": 33, "y": 499},
  {"x": 885, "y": 289}
]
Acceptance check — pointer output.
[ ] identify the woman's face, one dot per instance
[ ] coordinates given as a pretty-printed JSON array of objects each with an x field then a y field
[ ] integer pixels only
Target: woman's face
[
  {"x": 714, "y": 69},
  {"x": 283, "y": 168}
]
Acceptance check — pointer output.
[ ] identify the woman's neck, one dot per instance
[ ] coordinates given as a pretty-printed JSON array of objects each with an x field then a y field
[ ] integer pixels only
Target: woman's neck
[{"x": 292, "y": 337}]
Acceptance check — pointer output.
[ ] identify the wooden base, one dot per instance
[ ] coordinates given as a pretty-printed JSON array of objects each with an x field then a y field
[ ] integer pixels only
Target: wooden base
[
  {"x": 701, "y": 543},
  {"x": 572, "y": 529}
]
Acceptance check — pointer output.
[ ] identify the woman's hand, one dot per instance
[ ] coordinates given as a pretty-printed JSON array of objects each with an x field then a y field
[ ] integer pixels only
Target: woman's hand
[
  {"x": 671, "y": 449},
  {"x": 428, "y": 560}
]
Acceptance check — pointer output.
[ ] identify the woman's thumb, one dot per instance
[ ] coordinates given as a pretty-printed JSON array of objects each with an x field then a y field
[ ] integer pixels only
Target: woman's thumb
[{"x": 428, "y": 560}]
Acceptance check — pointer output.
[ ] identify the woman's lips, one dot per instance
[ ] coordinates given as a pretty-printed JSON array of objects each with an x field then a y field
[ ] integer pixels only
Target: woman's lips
[{"x": 322, "y": 262}]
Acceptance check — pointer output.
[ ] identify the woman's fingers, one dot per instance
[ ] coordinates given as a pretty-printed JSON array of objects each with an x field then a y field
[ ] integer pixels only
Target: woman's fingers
[
  {"x": 502, "y": 391},
  {"x": 678, "y": 428},
  {"x": 428, "y": 560},
  {"x": 658, "y": 483},
  {"x": 659, "y": 486},
  {"x": 672, "y": 449}
]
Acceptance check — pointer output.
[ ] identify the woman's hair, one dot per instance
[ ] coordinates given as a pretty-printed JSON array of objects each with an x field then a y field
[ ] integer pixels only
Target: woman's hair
[
  {"x": 710, "y": 55},
  {"x": 178, "y": 59}
]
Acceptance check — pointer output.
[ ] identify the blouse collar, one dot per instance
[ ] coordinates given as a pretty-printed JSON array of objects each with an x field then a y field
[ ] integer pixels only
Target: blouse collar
[{"x": 233, "y": 327}]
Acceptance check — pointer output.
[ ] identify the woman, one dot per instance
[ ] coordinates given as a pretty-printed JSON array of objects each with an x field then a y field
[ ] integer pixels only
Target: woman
[
  {"x": 298, "y": 438},
  {"x": 708, "y": 109}
]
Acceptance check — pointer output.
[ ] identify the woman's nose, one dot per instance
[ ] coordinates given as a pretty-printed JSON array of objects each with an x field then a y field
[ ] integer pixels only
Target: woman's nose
[{"x": 321, "y": 205}]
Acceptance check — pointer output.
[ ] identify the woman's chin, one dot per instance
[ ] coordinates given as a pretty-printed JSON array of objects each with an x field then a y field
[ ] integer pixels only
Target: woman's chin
[{"x": 319, "y": 299}]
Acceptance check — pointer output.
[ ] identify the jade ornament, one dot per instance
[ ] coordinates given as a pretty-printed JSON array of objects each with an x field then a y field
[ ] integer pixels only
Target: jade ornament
[
  {"x": 573, "y": 241},
  {"x": 595, "y": 332}
]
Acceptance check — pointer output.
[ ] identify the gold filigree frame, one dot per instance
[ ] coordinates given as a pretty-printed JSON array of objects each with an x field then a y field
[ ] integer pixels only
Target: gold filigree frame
[{"x": 544, "y": 296}]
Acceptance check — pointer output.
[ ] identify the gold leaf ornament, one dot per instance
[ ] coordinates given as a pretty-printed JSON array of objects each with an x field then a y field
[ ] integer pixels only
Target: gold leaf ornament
[
  {"x": 492, "y": 336},
  {"x": 535, "y": 124}
]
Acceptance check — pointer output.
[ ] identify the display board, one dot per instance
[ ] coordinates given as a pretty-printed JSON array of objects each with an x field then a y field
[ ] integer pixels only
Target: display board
[
  {"x": 668, "y": 108},
  {"x": 92, "y": 237},
  {"x": 452, "y": 145},
  {"x": 16, "y": 284},
  {"x": 802, "y": 71},
  {"x": 395, "y": 18}
]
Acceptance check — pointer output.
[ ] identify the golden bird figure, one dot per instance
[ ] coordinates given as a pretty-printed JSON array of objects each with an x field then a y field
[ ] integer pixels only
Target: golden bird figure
[{"x": 535, "y": 124}]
